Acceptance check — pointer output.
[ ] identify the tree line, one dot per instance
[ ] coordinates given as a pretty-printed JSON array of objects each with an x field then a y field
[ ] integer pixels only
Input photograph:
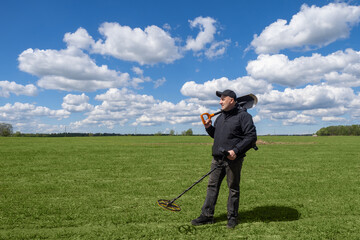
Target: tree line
[
  {"x": 353, "y": 130},
  {"x": 6, "y": 130}
]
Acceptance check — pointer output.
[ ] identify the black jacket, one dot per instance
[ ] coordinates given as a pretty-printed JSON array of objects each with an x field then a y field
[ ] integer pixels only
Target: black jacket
[{"x": 233, "y": 130}]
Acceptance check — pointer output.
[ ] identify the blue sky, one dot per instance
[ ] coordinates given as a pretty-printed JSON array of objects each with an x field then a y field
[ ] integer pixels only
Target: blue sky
[{"x": 154, "y": 66}]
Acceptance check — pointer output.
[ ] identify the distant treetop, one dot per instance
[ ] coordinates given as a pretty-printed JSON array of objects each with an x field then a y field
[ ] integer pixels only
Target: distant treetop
[{"x": 353, "y": 130}]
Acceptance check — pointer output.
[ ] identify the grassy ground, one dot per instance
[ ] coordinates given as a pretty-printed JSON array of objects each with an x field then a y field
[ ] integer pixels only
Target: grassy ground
[{"x": 107, "y": 188}]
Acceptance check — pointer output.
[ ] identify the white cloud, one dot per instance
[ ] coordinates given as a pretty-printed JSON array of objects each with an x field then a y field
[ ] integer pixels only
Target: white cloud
[
  {"x": 205, "y": 93},
  {"x": 38, "y": 127},
  {"x": 355, "y": 103},
  {"x": 205, "y": 36},
  {"x": 333, "y": 119},
  {"x": 76, "y": 103},
  {"x": 167, "y": 112},
  {"x": 19, "y": 112},
  {"x": 217, "y": 49},
  {"x": 300, "y": 119},
  {"x": 312, "y": 26},
  {"x": 145, "y": 120},
  {"x": 310, "y": 97},
  {"x": 159, "y": 82},
  {"x": 339, "y": 68},
  {"x": 69, "y": 69},
  {"x": 124, "y": 99},
  {"x": 138, "y": 71},
  {"x": 150, "y": 46},
  {"x": 136, "y": 81},
  {"x": 256, "y": 119},
  {"x": 331, "y": 111},
  {"x": 343, "y": 79},
  {"x": 167, "y": 27},
  {"x": 6, "y": 88},
  {"x": 121, "y": 106},
  {"x": 309, "y": 105},
  {"x": 79, "y": 39}
]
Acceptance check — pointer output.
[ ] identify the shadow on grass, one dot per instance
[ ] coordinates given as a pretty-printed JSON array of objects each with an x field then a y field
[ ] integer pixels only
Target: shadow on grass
[{"x": 265, "y": 214}]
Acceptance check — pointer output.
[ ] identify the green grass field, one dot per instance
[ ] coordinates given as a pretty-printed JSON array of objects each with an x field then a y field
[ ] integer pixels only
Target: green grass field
[{"x": 107, "y": 188}]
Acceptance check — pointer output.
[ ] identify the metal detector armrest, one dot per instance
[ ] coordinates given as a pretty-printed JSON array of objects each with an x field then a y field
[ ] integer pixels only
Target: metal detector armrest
[{"x": 223, "y": 151}]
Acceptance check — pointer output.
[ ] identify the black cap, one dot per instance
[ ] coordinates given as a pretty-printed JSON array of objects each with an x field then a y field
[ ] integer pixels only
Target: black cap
[{"x": 227, "y": 92}]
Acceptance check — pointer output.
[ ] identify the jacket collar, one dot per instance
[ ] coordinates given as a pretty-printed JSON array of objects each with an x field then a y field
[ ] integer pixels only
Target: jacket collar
[{"x": 232, "y": 111}]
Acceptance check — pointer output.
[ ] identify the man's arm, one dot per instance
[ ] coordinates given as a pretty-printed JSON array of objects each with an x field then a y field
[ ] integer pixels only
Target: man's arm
[
  {"x": 209, "y": 128},
  {"x": 250, "y": 137}
]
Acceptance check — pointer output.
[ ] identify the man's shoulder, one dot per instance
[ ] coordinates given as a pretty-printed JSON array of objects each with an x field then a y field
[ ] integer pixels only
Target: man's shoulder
[{"x": 243, "y": 112}]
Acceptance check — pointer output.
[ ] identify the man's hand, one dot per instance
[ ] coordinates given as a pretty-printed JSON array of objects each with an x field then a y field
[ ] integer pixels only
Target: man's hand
[
  {"x": 208, "y": 123},
  {"x": 232, "y": 155}
]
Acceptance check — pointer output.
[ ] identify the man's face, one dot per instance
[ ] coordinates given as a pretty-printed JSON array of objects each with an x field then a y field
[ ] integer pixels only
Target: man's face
[{"x": 227, "y": 103}]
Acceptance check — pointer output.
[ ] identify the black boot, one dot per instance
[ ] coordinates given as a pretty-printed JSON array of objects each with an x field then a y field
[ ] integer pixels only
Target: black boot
[
  {"x": 232, "y": 222},
  {"x": 202, "y": 220}
]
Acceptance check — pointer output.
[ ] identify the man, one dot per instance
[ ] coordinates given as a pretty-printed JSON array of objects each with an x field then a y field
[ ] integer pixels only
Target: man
[{"x": 235, "y": 132}]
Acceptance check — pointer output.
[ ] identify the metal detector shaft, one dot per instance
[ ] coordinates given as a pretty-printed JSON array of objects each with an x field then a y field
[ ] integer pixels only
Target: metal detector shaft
[{"x": 220, "y": 165}]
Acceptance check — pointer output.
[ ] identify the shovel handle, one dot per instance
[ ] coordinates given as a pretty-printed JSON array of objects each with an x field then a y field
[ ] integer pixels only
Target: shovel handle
[{"x": 209, "y": 116}]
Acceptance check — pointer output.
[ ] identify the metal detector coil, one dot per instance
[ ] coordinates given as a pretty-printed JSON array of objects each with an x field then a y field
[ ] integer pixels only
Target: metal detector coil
[{"x": 168, "y": 205}]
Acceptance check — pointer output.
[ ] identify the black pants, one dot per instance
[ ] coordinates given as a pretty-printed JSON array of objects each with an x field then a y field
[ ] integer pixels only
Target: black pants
[{"x": 232, "y": 173}]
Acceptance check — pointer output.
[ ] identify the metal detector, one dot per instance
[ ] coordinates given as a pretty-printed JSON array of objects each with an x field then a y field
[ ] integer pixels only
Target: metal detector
[{"x": 170, "y": 205}]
